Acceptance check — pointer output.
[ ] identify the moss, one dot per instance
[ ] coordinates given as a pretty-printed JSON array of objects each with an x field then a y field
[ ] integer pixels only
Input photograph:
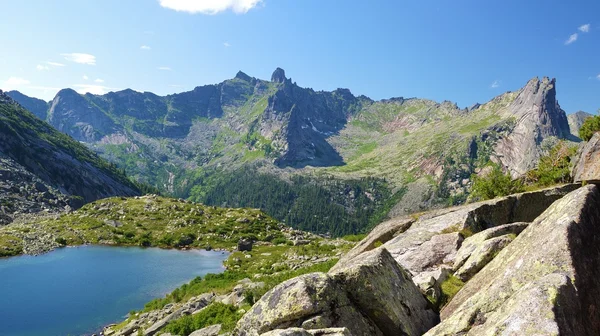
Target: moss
[{"x": 449, "y": 289}]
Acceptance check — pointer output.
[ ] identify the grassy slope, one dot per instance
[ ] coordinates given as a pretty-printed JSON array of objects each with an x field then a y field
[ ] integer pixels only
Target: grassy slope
[{"x": 146, "y": 221}]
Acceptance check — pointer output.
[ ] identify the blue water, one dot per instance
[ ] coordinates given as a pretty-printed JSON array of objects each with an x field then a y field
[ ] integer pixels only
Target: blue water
[{"x": 75, "y": 291}]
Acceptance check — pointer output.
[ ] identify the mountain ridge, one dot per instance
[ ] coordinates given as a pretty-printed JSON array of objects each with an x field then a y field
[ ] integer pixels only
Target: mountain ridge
[
  {"x": 40, "y": 162},
  {"x": 189, "y": 143}
]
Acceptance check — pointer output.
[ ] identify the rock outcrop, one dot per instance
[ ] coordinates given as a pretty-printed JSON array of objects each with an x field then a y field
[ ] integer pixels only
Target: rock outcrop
[
  {"x": 433, "y": 240},
  {"x": 587, "y": 167},
  {"x": 368, "y": 295},
  {"x": 538, "y": 116},
  {"x": 530, "y": 262},
  {"x": 576, "y": 120},
  {"x": 545, "y": 282}
]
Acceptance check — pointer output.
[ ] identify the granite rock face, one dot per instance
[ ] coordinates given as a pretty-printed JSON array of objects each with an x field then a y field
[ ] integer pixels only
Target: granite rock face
[
  {"x": 545, "y": 282},
  {"x": 576, "y": 120},
  {"x": 432, "y": 241},
  {"x": 538, "y": 116},
  {"x": 588, "y": 165},
  {"x": 368, "y": 295}
]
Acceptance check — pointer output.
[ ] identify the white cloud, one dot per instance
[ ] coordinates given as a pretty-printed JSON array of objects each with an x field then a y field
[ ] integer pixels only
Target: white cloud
[
  {"x": 80, "y": 58},
  {"x": 226, "y": 44},
  {"x": 598, "y": 77},
  {"x": 145, "y": 47},
  {"x": 13, "y": 83},
  {"x": 41, "y": 67},
  {"x": 210, "y": 7},
  {"x": 85, "y": 77},
  {"x": 55, "y": 64},
  {"x": 585, "y": 28},
  {"x": 98, "y": 80},
  {"x": 164, "y": 68},
  {"x": 572, "y": 39},
  {"x": 93, "y": 89},
  {"x": 496, "y": 84}
]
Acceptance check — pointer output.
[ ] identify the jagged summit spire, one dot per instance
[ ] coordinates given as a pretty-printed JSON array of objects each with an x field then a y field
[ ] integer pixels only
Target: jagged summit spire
[{"x": 278, "y": 76}]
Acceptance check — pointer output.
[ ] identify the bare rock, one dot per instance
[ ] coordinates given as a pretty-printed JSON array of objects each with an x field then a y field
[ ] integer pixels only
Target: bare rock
[
  {"x": 384, "y": 292},
  {"x": 546, "y": 280},
  {"x": 212, "y": 330},
  {"x": 588, "y": 165},
  {"x": 538, "y": 116}
]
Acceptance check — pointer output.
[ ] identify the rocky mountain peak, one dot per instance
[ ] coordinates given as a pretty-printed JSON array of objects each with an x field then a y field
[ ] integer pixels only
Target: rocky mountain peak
[
  {"x": 538, "y": 116},
  {"x": 243, "y": 76},
  {"x": 278, "y": 76}
]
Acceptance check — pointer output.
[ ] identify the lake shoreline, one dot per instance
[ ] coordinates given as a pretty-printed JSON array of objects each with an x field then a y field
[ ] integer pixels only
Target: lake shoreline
[{"x": 80, "y": 282}]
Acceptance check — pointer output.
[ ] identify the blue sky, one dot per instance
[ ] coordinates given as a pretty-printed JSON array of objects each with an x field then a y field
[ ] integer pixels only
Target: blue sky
[{"x": 465, "y": 51}]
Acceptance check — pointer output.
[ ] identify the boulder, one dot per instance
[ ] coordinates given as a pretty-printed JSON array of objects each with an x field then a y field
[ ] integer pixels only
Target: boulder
[
  {"x": 384, "y": 292},
  {"x": 482, "y": 256},
  {"x": 379, "y": 235},
  {"x": 479, "y": 249},
  {"x": 303, "y": 298},
  {"x": 244, "y": 244},
  {"x": 369, "y": 295},
  {"x": 434, "y": 239},
  {"x": 474, "y": 242},
  {"x": 545, "y": 282},
  {"x": 588, "y": 165},
  {"x": 212, "y": 330}
]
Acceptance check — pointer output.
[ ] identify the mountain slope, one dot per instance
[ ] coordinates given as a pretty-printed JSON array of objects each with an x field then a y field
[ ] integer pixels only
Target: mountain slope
[
  {"x": 56, "y": 159},
  {"x": 36, "y": 106},
  {"x": 359, "y": 158}
]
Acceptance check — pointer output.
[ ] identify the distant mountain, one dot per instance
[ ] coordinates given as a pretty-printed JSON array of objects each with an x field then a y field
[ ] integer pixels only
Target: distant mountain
[
  {"x": 321, "y": 161},
  {"x": 41, "y": 168},
  {"x": 36, "y": 106},
  {"x": 576, "y": 120}
]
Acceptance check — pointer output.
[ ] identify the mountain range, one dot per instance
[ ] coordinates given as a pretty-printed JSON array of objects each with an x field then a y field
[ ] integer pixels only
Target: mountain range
[
  {"x": 44, "y": 169},
  {"x": 318, "y": 160}
]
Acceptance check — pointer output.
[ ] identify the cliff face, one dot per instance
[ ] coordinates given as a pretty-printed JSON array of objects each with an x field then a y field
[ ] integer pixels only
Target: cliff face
[
  {"x": 576, "y": 120},
  {"x": 538, "y": 116},
  {"x": 72, "y": 114}
]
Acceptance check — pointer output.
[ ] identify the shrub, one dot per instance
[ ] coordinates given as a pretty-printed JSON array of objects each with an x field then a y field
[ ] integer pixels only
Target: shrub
[
  {"x": 589, "y": 127},
  {"x": 279, "y": 240},
  {"x": 216, "y": 313},
  {"x": 553, "y": 168},
  {"x": 495, "y": 184}
]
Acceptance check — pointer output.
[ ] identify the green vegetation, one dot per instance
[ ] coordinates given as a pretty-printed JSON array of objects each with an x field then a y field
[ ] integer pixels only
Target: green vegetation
[
  {"x": 148, "y": 221},
  {"x": 554, "y": 167},
  {"x": 33, "y": 140},
  {"x": 495, "y": 184},
  {"x": 449, "y": 288},
  {"x": 589, "y": 127},
  {"x": 216, "y": 313},
  {"x": 321, "y": 204}
]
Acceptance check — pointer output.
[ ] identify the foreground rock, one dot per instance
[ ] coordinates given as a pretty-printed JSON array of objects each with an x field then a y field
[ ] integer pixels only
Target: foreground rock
[
  {"x": 543, "y": 283},
  {"x": 588, "y": 165},
  {"x": 369, "y": 295},
  {"x": 481, "y": 248},
  {"x": 432, "y": 241},
  {"x": 304, "y": 332}
]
